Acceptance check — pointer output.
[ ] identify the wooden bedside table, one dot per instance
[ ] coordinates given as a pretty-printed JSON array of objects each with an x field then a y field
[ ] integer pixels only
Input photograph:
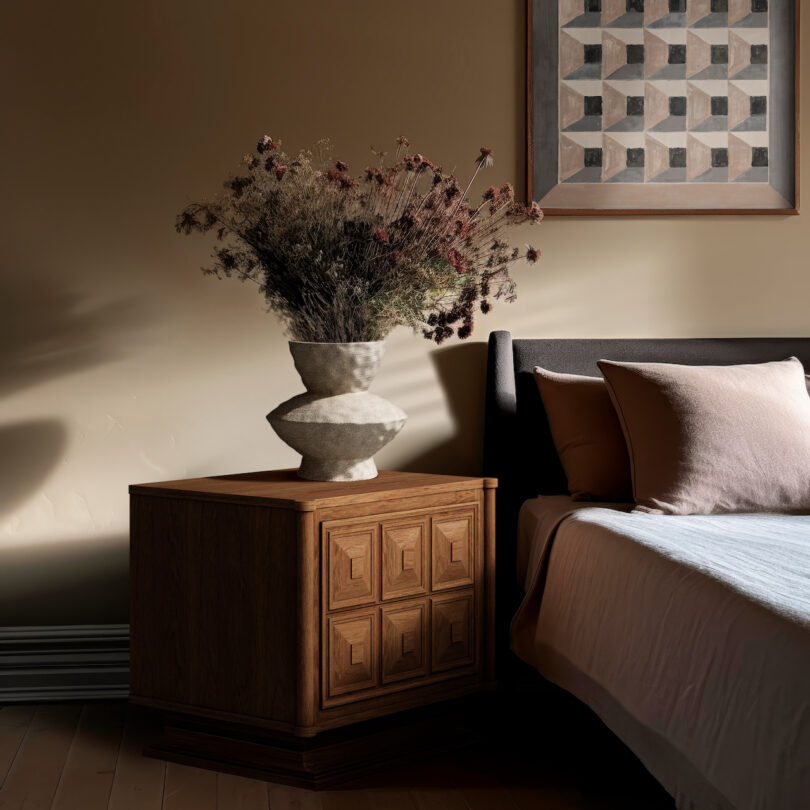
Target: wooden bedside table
[{"x": 267, "y": 610}]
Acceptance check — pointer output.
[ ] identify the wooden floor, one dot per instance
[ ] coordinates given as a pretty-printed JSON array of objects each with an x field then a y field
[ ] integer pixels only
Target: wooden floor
[{"x": 88, "y": 757}]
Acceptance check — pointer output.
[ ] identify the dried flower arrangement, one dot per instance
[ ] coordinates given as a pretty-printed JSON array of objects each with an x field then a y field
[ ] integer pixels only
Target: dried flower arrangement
[{"x": 341, "y": 259}]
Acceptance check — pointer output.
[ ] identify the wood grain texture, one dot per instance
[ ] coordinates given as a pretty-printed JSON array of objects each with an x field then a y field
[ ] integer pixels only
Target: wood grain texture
[
  {"x": 139, "y": 781},
  {"x": 307, "y": 625},
  {"x": 284, "y": 489},
  {"x": 318, "y": 613},
  {"x": 239, "y": 793},
  {"x": 350, "y": 563},
  {"x": 490, "y": 580},
  {"x": 572, "y": 765},
  {"x": 404, "y": 557},
  {"x": 404, "y": 641},
  {"x": 347, "y": 800},
  {"x": 210, "y": 584},
  {"x": 452, "y": 549},
  {"x": 87, "y": 778},
  {"x": 14, "y": 722},
  {"x": 286, "y": 797},
  {"x": 34, "y": 775},
  {"x": 439, "y": 799},
  {"x": 189, "y": 788}
]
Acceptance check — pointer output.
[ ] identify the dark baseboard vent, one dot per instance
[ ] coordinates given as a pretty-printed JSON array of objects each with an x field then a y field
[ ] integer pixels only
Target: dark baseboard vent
[{"x": 87, "y": 661}]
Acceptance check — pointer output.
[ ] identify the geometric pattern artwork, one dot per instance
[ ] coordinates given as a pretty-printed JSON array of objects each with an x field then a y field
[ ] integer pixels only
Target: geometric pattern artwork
[
  {"x": 667, "y": 94},
  {"x": 681, "y": 75}
]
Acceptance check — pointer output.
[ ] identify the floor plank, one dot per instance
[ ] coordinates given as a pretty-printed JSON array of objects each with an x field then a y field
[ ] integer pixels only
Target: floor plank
[
  {"x": 138, "y": 782},
  {"x": 438, "y": 798},
  {"x": 347, "y": 800},
  {"x": 391, "y": 799},
  {"x": 488, "y": 798},
  {"x": 14, "y": 722},
  {"x": 90, "y": 766},
  {"x": 51, "y": 756},
  {"x": 284, "y": 797},
  {"x": 238, "y": 793},
  {"x": 189, "y": 788},
  {"x": 34, "y": 774}
]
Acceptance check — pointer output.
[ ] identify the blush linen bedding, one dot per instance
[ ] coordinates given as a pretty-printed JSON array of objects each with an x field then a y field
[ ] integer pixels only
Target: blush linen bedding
[{"x": 688, "y": 635}]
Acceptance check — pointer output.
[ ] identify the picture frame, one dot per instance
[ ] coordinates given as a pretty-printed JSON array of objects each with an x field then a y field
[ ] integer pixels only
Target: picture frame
[{"x": 652, "y": 107}]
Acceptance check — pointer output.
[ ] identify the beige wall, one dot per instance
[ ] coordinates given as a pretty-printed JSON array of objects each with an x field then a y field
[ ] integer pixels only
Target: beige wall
[{"x": 120, "y": 363}]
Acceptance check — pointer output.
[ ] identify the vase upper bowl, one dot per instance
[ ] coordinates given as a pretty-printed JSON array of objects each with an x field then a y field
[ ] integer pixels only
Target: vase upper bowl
[{"x": 337, "y": 368}]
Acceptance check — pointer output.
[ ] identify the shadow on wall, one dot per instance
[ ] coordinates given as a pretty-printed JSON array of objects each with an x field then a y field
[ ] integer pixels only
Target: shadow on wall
[
  {"x": 35, "y": 578},
  {"x": 47, "y": 331},
  {"x": 28, "y": 452},
  {"x": 461, "y": 370}
]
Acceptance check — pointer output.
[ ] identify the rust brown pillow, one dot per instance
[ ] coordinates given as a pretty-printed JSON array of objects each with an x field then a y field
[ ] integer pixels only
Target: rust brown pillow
[
  {"x": 587, "y": 435},
  {"x": 714, "y": 439}
]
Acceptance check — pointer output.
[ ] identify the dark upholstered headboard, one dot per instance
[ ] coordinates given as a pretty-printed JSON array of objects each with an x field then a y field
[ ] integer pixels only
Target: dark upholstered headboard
[{"x": 518, "y": 449}]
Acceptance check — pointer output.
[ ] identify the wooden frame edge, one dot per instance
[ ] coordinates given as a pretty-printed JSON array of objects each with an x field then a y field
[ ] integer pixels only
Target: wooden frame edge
[{"x": 661, "y": 212}]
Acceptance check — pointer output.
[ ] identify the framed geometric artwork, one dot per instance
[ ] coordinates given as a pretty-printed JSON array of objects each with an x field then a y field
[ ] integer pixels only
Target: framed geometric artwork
[{"x": 663, "y": 106}]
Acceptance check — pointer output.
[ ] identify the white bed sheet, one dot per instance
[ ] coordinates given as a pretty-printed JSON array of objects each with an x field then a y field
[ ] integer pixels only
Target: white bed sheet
[{"x": 690, "y": 631}]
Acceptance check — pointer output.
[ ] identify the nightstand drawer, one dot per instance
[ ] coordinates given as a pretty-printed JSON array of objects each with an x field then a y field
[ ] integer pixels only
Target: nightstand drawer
[
  {"x": 452, "y": 632},
  {"x": 352, "y": 653},
  {"x": 452, "y": 549},
  {"x": 404, "y": 557},
  {"x": 351, "y": 564},
  {"x": 404, "y": 637}
]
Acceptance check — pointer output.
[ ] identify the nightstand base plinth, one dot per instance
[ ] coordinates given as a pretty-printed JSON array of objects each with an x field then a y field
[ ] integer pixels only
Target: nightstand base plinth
[{"x": 331, "y": 758}]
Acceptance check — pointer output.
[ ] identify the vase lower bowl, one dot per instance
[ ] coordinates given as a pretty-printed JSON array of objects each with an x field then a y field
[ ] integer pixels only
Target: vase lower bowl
[
  {"x": 337, "y": 435},
  {"x": 337, "y": 469}
]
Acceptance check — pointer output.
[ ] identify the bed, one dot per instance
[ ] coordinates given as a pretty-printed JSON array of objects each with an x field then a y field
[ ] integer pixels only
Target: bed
[{"x": 688, "y": 635}]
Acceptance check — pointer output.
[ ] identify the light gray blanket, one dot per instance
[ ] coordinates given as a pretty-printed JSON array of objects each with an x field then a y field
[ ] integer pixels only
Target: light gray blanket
[{"x": 690, "y": 635}]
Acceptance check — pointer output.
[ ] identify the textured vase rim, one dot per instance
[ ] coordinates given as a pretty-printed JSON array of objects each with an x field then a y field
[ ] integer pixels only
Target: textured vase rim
[{"x": 335, "y": 343}]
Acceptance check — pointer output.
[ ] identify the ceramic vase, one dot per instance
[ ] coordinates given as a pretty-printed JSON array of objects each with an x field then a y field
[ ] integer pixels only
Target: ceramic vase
[{"x": 337, "y": 425}]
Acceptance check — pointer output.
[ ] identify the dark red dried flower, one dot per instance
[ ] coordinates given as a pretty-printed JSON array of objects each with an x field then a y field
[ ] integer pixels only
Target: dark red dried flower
[
  {"x": 534, "y": 213},
  {"x": 343, "y": 180},
  {"x": 265, "y": 144},
  {"x": 486, "y": 158},
  {"x": 427, "y": 234},
  {"x": 456, "y": 261},
  {"x": 451, "y": 190}
]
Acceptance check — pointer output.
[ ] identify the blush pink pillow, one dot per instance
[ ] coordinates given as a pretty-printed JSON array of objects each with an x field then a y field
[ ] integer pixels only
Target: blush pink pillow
[
  {"x": 587, "y": 436},
  {"x": 714, "y": 439}
]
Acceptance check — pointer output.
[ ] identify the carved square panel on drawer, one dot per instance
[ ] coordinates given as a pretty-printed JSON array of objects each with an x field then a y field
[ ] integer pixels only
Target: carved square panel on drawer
[
  {"x": 404, "y": 557},
  {"x": 352, "y": 653},
  {"x": 452, "y": 550},
  {"x": 351, "y": 559},
  {"x": 452, "y": 632},
  {"x": 403, "y": 642}
]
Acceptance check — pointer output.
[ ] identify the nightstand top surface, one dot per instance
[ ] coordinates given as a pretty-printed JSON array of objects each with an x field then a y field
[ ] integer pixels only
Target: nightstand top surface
[{"x": 284, "y": 488}]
